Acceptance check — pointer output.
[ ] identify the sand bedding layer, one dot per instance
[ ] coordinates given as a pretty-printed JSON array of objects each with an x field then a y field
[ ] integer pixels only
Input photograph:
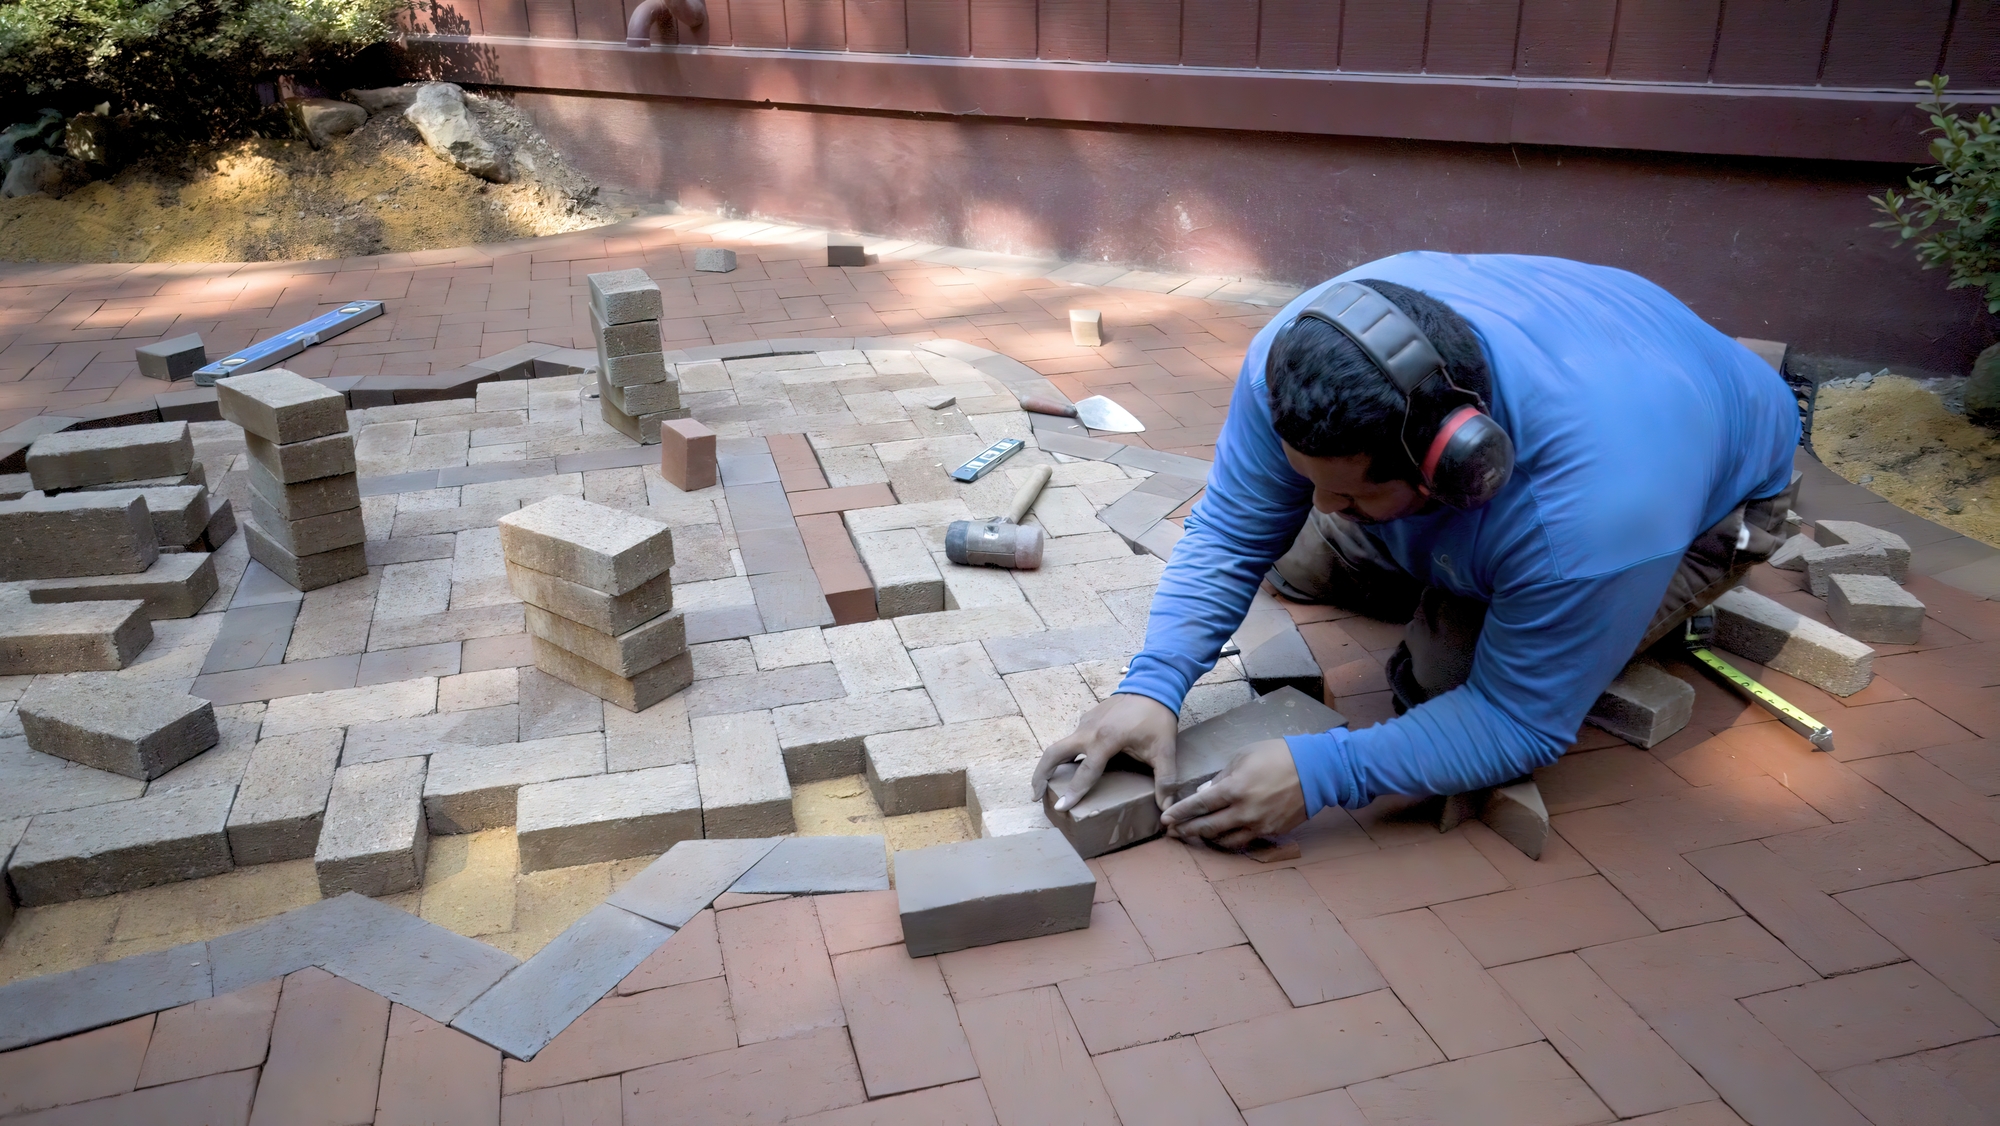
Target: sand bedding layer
[
  {"x": 1896, "y": 437},
  {"x": 379, "y": 190}
]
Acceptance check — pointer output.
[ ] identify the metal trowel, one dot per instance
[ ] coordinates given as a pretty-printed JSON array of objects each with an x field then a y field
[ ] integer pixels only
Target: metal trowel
[{"x": 1096, "y": 412}]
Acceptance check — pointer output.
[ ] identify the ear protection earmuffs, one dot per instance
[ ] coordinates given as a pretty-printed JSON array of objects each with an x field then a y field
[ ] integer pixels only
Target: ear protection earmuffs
[{"x": 1469, "y": 458}]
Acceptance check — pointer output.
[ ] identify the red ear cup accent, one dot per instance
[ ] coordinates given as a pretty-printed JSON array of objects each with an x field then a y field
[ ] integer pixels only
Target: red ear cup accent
[{"x": 1452, "y": 423}]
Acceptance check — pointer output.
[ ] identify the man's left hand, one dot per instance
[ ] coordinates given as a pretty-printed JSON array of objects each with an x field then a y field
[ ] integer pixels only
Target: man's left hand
[{"x": 1256, "y": 795}]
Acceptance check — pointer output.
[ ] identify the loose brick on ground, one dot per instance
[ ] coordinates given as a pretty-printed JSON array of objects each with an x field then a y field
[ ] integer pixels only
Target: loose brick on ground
[
  {"x": 138, "y": 730},
  {"x": 74, "y": 459},
  {"x": 122, "y": 846},
  {"x": 973, "y": 893},
  {"x": 373, "y": 840},
  {"x": 90, "y": 533},
  {"x": 607, "y": 817},
  {"x": 177, "y": 585}
]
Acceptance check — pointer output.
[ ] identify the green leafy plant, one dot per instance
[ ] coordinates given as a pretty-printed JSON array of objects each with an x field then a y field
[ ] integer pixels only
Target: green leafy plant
[
  {"x": 1956, "y": 211},
  {"x": 181, "y": 69}
]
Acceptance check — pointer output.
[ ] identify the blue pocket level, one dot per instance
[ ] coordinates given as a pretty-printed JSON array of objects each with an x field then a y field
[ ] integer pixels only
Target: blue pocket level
[
  {"x": 989, "y": 457},
  {"x": 288, "y": 343}
]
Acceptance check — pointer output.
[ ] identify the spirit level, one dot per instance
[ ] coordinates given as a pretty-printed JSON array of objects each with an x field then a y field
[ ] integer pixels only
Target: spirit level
[{"x": 288, "y": 343}]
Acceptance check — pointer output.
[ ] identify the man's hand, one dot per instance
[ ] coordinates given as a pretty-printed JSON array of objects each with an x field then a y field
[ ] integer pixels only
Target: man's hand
[
  {"x": 1256, "y": 795},
  {"x": 1137, "y": 725}
]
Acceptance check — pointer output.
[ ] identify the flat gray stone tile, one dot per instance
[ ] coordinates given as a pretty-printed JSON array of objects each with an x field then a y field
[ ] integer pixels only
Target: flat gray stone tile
[
  {"x": 259, "y": 586},
  {"x": 677, "y": 886},
  {"x": 1060, "y": 647},
  {"x": 550, "y": 707},
  {"x": 252, "y": 635},
  {"x": 44, "y": 1008},
  {"x": 540, "y": 998},
  {"x": 998, "y": 889},
  {"x": 419, "y": 964},
  {"x": 722, "y": 624},
  {"x": 268, "y": 682},
  {"x": 790, "y": 600},
  {"x": 385, "y": 665},
  {"x": 759, "y": 691},
  {"x": 812, "y": 865}
]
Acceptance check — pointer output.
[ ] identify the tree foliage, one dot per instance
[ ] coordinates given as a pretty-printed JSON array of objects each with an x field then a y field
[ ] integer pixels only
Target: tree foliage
[
  {"x": 187, "y": 68},
  {"x": 1953, "y": 208}
]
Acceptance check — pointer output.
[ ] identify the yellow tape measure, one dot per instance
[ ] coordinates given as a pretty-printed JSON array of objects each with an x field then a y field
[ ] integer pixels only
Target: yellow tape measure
[{"x": 1815, "y": 732}]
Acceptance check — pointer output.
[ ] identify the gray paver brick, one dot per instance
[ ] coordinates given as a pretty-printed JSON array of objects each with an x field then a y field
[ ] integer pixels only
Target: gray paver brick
[
  {"x": 468, "y": 789},
  {"x": 123, "y": 846},
  {"x": 373, "y": 839},
  {"x": 624, "y": 296},
  {"x": 72, "y": 459},
  {"x": 309, "y": 460},
  {"x": 1119, "y": 810},
  {"x": 44, "y": 1008},
  {"x": 960, "y": 678},
  {"x": 627, "y": 654},
  {"x": 313, "y": 535},
  {"x": 634, "y": 694},
  {"x": 905, "y": 576},
  {"x": 179, "y": 513},
  {"x": 1204, "y": 749},
  {"x": 70, "y": 636},
  {"x": 543, "y": 995},
  {"x": 676, "y": 887},
  {"x": 715, "y": 259},
  {"x": 1772, "y": 634},
  {"x": 317, "y": 497},
  {"x": 606, "y": 613},
  {"x": 305, "y": 572},
  {"x": 607, "y": 817},
  {"x": 393, "y": 738},
  {"x": 1645, "y": 705},
  {"x": 605, "y": 549},
  {"x": 1833, "y": 533},
  {"x": 1864, "y": 558},
  {"x": 177, "y": 585},
  {"x": 824, "y": 739},
  {"x": 281, "y": 800},
  {"x": 758, "y": 691},
  {"x": 744, "y": 791},
  {"x": 1874, "y": 608},
  {"x": 925, "y": 769},
  {"x": 625, "y": 340},
  {"x": 552, "y": 707},
  {"x": 92, "y": 533},
  {"x": 975, "y": 893},
  {"x": 817, "y": 865},
  {"x": 138, "y": 730},
  {"x": 870, "y": 658},
  {"x": 1028, "y": 651},
  {"x": 281, "y": 406}
]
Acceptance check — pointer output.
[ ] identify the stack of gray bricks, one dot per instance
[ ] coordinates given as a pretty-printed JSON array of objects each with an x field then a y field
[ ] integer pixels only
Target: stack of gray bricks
[
  {"x": 120, "y": 513},
  {"x": 305, "y": 503},
  {"x": 599, "y": 599},
  {"x": 636, "y": 390}
]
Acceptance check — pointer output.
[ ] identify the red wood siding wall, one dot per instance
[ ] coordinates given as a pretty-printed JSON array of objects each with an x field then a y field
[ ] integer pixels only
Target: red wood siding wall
[{"x": 1851, "y": 43}]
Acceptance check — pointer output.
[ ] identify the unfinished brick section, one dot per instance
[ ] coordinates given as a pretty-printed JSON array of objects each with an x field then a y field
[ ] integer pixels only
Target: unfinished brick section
[{"x": 1874, "y": 866}]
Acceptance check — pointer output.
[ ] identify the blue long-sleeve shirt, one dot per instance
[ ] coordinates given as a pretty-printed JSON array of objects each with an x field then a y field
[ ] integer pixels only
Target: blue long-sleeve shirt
[{"x": 1635, "y": 426}]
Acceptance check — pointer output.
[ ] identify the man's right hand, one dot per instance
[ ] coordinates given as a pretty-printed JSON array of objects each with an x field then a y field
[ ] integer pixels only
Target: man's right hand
[{"x": 1137, "y": 725}]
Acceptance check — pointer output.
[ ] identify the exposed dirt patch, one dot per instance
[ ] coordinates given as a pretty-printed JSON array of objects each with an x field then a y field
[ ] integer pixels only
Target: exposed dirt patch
[
  {"x": 1895, "y": 436},
  {"x": 379, "y": 190}
]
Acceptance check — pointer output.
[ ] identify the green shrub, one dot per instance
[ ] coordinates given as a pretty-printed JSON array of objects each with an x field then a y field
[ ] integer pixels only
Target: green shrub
[
  {"x": 181, "y": 69},
  {"x": 1960, "y": 199}
]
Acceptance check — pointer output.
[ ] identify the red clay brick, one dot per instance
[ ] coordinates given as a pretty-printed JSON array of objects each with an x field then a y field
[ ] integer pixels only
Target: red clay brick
[
  {"x": 1559, "y": 860},
  {"x": 765, "y": 1082},
  {"x": 1862, "y": 1017},
  {"x": 74, "y": 1069},
  {"x": 1301, "y": 1052},
  {"x": 1305, "y": 947},
  {"x": 1887, "y": 728},
  {"x": 959, "y": 1104},
  {"x": 622, "y": 1033},
  {"x": 1696, "y": 965},
  {"x": 435, "y": 1075},
  {"x": 1854, "y": 854},
  {"x": 1580, "y": 780},
  {"x": 1396, "y": 879},
  {"x": 843, "y": 580},
  {"x": 900, "y": 1016},
  {"x": 1176, "y": 997},
  {"x": 1835, "y": 790},
  {"x": 1529, "y": 1086},
  {"x": 326, "y": 1053},
  {"x": 687, "y": 454},
  {"x": 1110, "y": 942},
  {"x": 226, "y": 1033},
  {"x": 212, "y": 1100},
  {"x": 1625, "y": 1062},
  {"x": 1944, "y": 801},
  {"x": 1459, "y": 1004},
  {"x": 692, "y": 954},
  {"x": 1166, "y": 1084},
  {"x": 798, "y": 466},
  {"x": 578, "y": 1104},
  {"x": 1169, "y": 900},
  {"x": 1784, "y": 902},
  {"x": 1946, "y": 1085},
  {"x": 1750, "y": 1068},
  {"x": 1327, "y": 1108},
  {"x": 1976, "y": 763},
  {"x": 780, "y": 980},
  {"x": 1513, "y": 926},
  {"x": 1032, "y": 1061},
  {"x": 816, "y": 501},
  {"x": 859, "y": 920}
]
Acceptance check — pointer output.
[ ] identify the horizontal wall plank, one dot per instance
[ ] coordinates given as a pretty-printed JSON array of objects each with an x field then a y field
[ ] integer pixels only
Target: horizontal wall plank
[{"x": 1748, "y": 121}]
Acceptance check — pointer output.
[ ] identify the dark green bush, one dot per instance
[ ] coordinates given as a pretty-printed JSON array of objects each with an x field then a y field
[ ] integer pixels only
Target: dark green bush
[
  {"x": 179, "y": 69},
  {"x": 1953, "y": 209}
]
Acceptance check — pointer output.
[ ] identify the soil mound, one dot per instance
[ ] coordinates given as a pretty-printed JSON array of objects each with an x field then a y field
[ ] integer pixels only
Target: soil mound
[{"x": 1895, "y": 436}]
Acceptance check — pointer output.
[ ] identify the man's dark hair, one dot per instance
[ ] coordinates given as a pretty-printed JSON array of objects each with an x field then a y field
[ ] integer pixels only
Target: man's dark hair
[{"x": 1329, "y": 400}]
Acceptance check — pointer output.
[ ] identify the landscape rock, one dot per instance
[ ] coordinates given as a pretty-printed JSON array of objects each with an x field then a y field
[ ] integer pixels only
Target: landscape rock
[
  {"x": 382, "y": 97},
  {"x": 34, "y": 173},
  {"x": 438, "y": 111},
  {"x": 1982, "y": 388},
  {"x": 138, "y": 730},
  {"x": 321, "y": 120}
]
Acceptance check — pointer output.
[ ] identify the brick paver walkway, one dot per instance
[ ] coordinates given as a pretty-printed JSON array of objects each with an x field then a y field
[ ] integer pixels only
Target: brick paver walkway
[{"x": 1727, "y": 928}]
